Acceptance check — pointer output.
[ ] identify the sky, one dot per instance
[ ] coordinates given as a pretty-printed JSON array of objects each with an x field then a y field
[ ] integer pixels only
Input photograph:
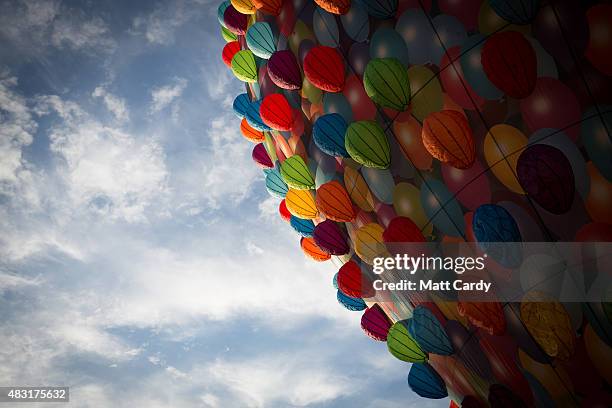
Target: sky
[{"x": 142, "y": 262}]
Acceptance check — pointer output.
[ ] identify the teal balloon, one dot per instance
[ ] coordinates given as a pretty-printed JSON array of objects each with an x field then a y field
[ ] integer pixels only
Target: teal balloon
[
  {"x": 275, "y": 184},
  {"x": 254, "y": 118},
  {"x": 260, "y": 40},
  {"x": 426, "y": 382},
  {"x": 380, "y": 182},
  {"x": 428, "y": 332},
  {"x": 335, "y": 281},
  {"x": 356, "y": 23},
  {"x": 596, "y": 136},
  {"x": 303, "y": 227},
  {"x": 472, "y": 68},
  {"x": 350, "y": 303},
  {"x": 337, "y": 103},
  {"x": 325, "y": 28},
  {"x": 414, "y": 27},
  {"x": 387, "y": 43},
  {"x": 451, "y": 31},
  {"x": 241, "y": 105},
  {"x": 442, "y": 208},
  {"x": 221, "y": 12}
]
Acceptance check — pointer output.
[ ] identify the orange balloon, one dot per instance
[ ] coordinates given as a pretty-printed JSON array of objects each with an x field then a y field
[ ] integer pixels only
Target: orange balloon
[
  {"x": 358, "y": 189},
  {"x": 599, "y": 200},
  {"x": 312, "y": 250},
  {"x": 447, "y": 136},
  {"x": 334, "y": 6},
  {"x": 334, "y": 202},
  {"x": 408, "y": 136},
  {"x": 269, "y": 6},
  {"x": 250, "y": 133},
  {"x": 489, "y": 316}
]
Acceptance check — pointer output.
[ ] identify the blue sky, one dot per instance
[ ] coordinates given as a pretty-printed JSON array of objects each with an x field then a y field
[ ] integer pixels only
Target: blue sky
[{"x": 142, "y": 262}]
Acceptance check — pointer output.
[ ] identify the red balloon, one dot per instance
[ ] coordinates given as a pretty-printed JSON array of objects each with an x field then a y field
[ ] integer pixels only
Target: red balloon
[
  {"x": 375, "y": 323},
  {"x": 261, "y": 157},
  {"x": 324, "y": 68},
  {"x": 510, "y": 63},
  {"x": 283, "y": 211},
  {"x": 595, "y": 232},
  {"x": 362, "y": 106},
  {"x": 599, "y": 48},
  {"x": 552, "y": 105},
  {"x": 352, "y": 282},
  {"x": 402, "y": 229},
  {"x": 471, "y": 186},
  {"x": 235, "y": 21},
  {"x": 230, "y": 49},
  {"x": 455, "y": 84},
  {"x": 276, "y": 112}
]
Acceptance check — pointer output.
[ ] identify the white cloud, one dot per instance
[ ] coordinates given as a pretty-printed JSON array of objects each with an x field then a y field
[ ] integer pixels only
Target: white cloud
[
  {"x": 78, "y": 32},
  {"x": 116, "y": 105},
  {"x": 163, "y": 96}
]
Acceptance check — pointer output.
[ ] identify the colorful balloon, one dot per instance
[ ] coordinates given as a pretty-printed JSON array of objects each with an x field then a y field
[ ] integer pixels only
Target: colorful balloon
[
  {"x": 367, "y": 144},
  {"x": 334, "y": 202},
  {"x": 375, "y": 323},
  {"x": 407, "y": 203},
  {"x": 230, "y": 49},
  {"x": 362, "y": 106},
  {"x": 283, "y": 211},
  {"x": 234, "y": 20},
  {"x": 454, "y": 83},
  {"x": 275, "y": 184},
  {"x": 261, "y": 157},
  {"x": 426, "y": 92},
  {"x": 503, "y": 145},
  {"x": 386, "y": 83},
  {"x": 426, "y": 382},
  {"x": 352, "y": 281},
  {"x": 470, "y": 186},
  {"x": 260, "y": 40},
  {"x": 356, "y": 23},
  {"x": 269, "y": 6},
  {"x": 324, "y": 68},
  {"x": 369, "y": 243},
  {"x": 441, "y": 208},
  {"x": 303, "y": 227},
  {"x": 221, "y": 12},
  {"x": 330, "y": 238},
  {"x": 334, "y": 6},
  {"x": 244, "y": 6},
  {"x": 352, "y": 304},
  {"x": 358, "y": 189},
  {"x": 243, "y": 66},
  {"x": 408, "y": 136},
  {"x": 402, "y": 229},
  {"x": 301, "y": 204},
  {"x": 425, "y": 328},
  {"x": 276, "y": 113},
  {"x": 402, "y": 346},
  {"x": 387, "y": 43},
  {"x": 325, "y": 28},
  {"x": 284, "y": 70},
  {"x": 447, "y": 137},
  {"x": 227, "y": 35},
  {"x": 296, "y": 174}
]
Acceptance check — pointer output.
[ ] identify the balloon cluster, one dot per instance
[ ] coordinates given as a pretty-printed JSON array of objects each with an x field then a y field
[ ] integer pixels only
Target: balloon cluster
[{"x": 385, "y": 121}]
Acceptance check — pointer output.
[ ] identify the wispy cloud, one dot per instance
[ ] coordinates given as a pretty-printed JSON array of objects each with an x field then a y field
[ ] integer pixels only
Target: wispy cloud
[
  {"x": 163, "y": 96},
  {"x": 116, "y": 105}
]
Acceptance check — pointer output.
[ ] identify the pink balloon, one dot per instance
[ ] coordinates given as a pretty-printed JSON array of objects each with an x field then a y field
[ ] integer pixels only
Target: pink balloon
[
  {"x": 385, "y": 213},
  {"x": 455, "y": 84},
  {"x": 471, "y": 185},
  {"x": 362, "y": 106},
  {"x": 552, "y": 105}
]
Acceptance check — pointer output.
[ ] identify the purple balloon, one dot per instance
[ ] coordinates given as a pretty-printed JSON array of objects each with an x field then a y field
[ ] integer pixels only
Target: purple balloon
[
  {"x": 546, "y": 175},
  {"x": 235, "y": 21},
  {"x": 467, "y": 349},
  {"x": 261, "y": 157},
  {"x": 284, "y": 70},
  {"x": 329, "y": 237}
]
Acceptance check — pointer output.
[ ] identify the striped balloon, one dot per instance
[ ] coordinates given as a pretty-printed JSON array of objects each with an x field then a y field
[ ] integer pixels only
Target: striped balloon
[
  {"x": 447, "y": 136},
  {"x": 244, "y": 6},
  {"x": 352, "y": 282},
  {"x": 334, "y": 202},
  {"x": 330, "y": 238},
  {"x": 244, "y": 67},
  {"x": 275, "y": 184},
  {"x": 334, "y": 6},
  {"x": 375, "y": 323},
  {"x": 284, "y": 70},
  {"x": 241, "y": 105},
  {"x": 328, "y": 134},
  {"x": 358, "y": 189},
  {"x": 250, "y": 133},
  {"x": 352, "y": 304},
  {"x": 428, "y": 332},
  {"x": 386, "y": 82},
  {"x": 254, "y": 118},
  {"x": 303, "y": 227},
  {"x": 367, "y": 144},
  {"x": 260, "y": 40},
  {"x": 312, "y": 250},
  {"x": 296, "y": 174},
  {"x": 369, "y": 242},
  {"x": 426, "y": 382},
  {"x": 402, "y": 346},
  {"x": 301, "y": 204}
]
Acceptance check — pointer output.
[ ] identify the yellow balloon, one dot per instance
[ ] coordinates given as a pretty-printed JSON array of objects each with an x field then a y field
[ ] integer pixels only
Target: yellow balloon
[
  {"x": 426, "y": 92},
  {"x": 301, "y": 203},
  {"x": 358, "y": 189},
  {"x": 300, "y": 33},
  {"x": 311, "y": 92},
  {"x": 369, "y": 243},
  {"x": 503, "y": 145},
  {"x": 489, "y": 22},
  {"x": 599, "y": 353},
  {"x": 244, "y": 6},
  {"x": 556, "y": 380},
  {"x": 407, "y": 203}
]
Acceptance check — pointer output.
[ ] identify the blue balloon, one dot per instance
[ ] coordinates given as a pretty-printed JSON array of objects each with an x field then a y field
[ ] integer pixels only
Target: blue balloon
[
  {"x": 380, "y": 182},
  {"x": 328, "y": 134},
  {"x": 414, "y": 27},
  {"x": 516, "y": 11},
  {"x": 596, "y": 135},
  {"x": 426, "y": 382},
  {"x": 303, "y": 227},
  {"x": 452, "y": 33},
  {"x": 221, "y": 12},
  {"x": 337, "y": 103},
  {"x": 496, "y": 231},
  {"x": 382, "y": 9},
  {"x": 325, "y": 28},
  {"x": 275, "y": 184},
  {"x": 387, "y": 43},
  {"x": 352, "y": 304},
  {"x": 260, "y": 40},
  {"x": 472, "y": 68},
  {"x": 356, "y": 23},
  {"x": 442, "y": 208},
  {"x": 429, "y": 333},
  {"x": 253, "y": 117},
  {"x": 241, "y": 105}
]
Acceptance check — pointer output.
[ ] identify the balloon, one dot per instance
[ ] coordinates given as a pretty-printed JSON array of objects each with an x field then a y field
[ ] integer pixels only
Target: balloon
[
  {"x": 470, "y": 186},
  {"x": 488, "y": 316},
  {"x": 375, "y": 323},
  {"x": 334, "y": 202},
  {"x": 402, "y": 229},
  {"x": 367, "y": 144},
  {"x": 260, "y": 156},
  {"x": 510, "y": 63},
  {"x": 235, "y": 21},
  {"x": 303, "y": 227},
  {"x": 452, "y": 34},
  {"x": 596, "y": 135},
  {"x": 284, "y": 70},
  {"x": 243, "y": 66},
  {"x": 407, "y": 203},
  {"x": 600, "y": 39},
  {"x": 502, "y": 147},
  {"x": 241, "y": 105},
  {"x": 380, "y": 182},
  {"x": 426, "y": 91},
  {"x": 352, "y": 282},
  {"x": 467, "y": 348},
  {"x": 441, "y": 208},
  {"x": 386, "y": 83},
  {"x": 244, "y": 6},
  {"x": 369, "y": 242},
  {"x": 227, "y": 35},
  {"x": 552, "y": 105},
  {"x": 260, "y": 40},
  {"x": 250, "y": 133},
  {"x": 301, "y": 204},
  {"x": 275, "y": 112},
  {"x": 493, "y": 223},
  {"x": 352, "y": 304},
  {"x": 334, "y": 6},
  {"x": 221, "y": 12},
  {"x": 387, "y": 43},
  {"x": 447, "y": 136},
  {"x": 362, "y": 106},
  {"x": 453, "y": 81},
  {"x": 402, "y": 346},
  {"x": 328, "y": 134},
  {"x": 598, "y": 201},
  {"x": 301, "y": 34},
  {"x": 546, "y": 175},
  {"x": 269, "y": 6},
  {"x": 555, "y": 379},
  {"x": 324, "y": 68},
  {"x": 356, "y": 23},
  {"x": 311, "y": 250},
  {"x": 465, "y": 10},
  {"x": 275, "y": 184},
  {"x": 296, "y": 174},
  {"x": 382, "y": 9},
  {"x": 330, "y": 238},
  {"x": 358, "y": 189},
  {"x": 337, "y": 103},
  {"x": 283, "y": 211},
  {"x": 426, "y": 382},
  {"x": 325, "y": 28},
  {"x": 415, "y": 28},
  {"x": 230, "y": 49},
  {"x": 516, "y": 12},
  {"x": 500, "y": 396},
  {"x": 408, "y": 136},
  {"x": 428, "y": 332}
]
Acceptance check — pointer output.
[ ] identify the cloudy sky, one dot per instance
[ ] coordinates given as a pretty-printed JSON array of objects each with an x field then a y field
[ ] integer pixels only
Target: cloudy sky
[{"x": 141, "y": 261}]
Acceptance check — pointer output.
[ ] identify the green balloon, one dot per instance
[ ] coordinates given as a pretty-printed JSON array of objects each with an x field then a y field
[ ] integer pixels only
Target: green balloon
[
  {"x": 296, "y": 174},
  {"x": 401, "y": 344},
  {"x": 244, "y": 67},
  {"x": 366, "y": 143},
  {"x": 386, "y": 82},
  {"x": 227, "y": 35}
]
